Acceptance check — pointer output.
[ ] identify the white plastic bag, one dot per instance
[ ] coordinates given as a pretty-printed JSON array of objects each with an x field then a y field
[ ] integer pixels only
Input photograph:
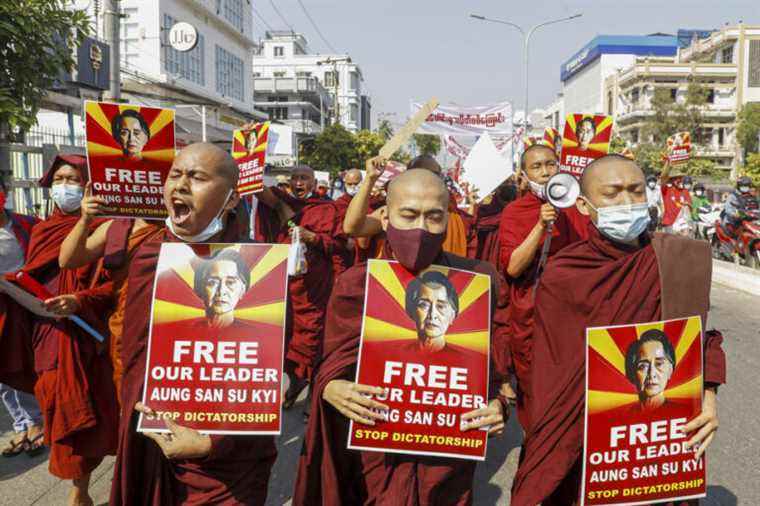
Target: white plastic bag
[{"x": 297, "y": 265}]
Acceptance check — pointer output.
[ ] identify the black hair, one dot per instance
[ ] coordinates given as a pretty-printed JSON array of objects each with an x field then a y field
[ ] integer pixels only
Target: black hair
[
  {"x": 229, "y": 254},
  {"x": 129, "y": 113},
  {"x": 525, "y": 152},
  {"x": 587, "y": 119},
  {"x": 429, "y": 278},
  {"x": 632, "y": 355}
]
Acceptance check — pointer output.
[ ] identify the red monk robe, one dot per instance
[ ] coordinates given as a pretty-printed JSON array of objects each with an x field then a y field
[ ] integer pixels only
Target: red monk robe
[
  {"x": 517, "y": 220},
  {"x": 238, "y": 467},
  {"x": 307, "y": 294},
  {"x": 595, "y": 283},
  {"x": 345, "y": 255},
  {"x": 74, "y": 387},
  {"x": 328, "y": 473}
]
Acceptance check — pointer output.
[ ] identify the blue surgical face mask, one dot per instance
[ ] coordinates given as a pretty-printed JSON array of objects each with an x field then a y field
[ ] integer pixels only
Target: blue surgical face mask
[
  {"x": 622, "y": 223},
  {"x": 213, "y": 228},
  {"x": 68, "y": 197}
]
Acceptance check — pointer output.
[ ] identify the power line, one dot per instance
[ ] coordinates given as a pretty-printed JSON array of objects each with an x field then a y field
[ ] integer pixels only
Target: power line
[
  {"x": 316, "y": 28},
  {"x": 263, "y": 20},
  {"x": 281, "y": 16}
]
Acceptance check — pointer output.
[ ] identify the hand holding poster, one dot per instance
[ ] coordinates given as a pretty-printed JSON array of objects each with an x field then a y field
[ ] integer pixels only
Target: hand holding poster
[
  {"x": 679, "y": 148},
  {"x": 425, "y": 339},
  {"x": 643, "y": 384},
  {"x": 215, "y": 347},
  {"x": 249, "y": 149},
  {"x": 130, "y": 150},
  {"x": 586, "y": 138}
]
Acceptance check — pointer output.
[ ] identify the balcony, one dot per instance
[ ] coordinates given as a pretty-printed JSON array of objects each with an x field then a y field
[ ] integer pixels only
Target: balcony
[
  {"x": 296, "y": 85},
  {"x": 303, "y": 126}
]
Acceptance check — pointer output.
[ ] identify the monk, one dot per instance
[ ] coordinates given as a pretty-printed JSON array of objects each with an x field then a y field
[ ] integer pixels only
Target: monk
[
  {"x": 359, "y": 222},
  {"x": 183, "y": 467},
  {"x": 328, "y": 473},
  {"x": 115, "y": 241},
  {"x": 522, "y": 232},
  {"x": 619, "y": 276},
  {"x": 74, "y": 386},
  {"x": 351, "y": 182},
  {"x": 278, "y": 216}
]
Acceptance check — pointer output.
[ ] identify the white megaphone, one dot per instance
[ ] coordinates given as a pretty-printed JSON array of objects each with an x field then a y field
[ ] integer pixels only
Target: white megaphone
[{"x": 562, "y": 190}]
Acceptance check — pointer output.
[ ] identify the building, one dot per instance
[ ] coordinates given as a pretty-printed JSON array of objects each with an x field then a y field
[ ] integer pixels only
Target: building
[
  {"x": 583, "y": 74},
  {"x": 726, "y": 62},
  {"x": 306, "y": 90}
]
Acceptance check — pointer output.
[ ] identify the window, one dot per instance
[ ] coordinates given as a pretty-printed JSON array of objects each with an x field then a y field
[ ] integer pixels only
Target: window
[
  {"x": 301, "y": 73},
  {"x": 354, "y": 113},
  {"x": 279, "y": 51},
  {"x": 721, "y": 136},
  {"x": 278, "y": 74},
  {"x": 278, "y": 113},
  {"x": 556, "y": 120},
  {"x": 711, "y": 96},
  {"x": 609, "y": 102},
  {"x": 331, "y": 79},
  {"x": 354, "y": 81},
  {"x": 727, "y": 54},
  {"x": 635, "y": 96},
  {"x": 753, "y": 80},
  {"x": 229, "y": 74},
  {"x": 673, "y": 94},
  {"x": 634, "y": 136},
  {"x": 233, "y": 12},
  {"x": 188, "y": 65}
]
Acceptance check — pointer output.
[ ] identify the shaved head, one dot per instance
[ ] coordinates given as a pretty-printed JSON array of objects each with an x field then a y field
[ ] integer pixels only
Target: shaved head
[
  {"x": 613, "y": 162},
  {"x": 302, "y": 181},
  {"x": 417, "y": 199},
  {"x": 213, "y": 158},
  {"x": 352, "y": 176},
  {"x": 613, "y": 180},
  {"x": 421, "y": 180},
  {"x": 426, "y": 162}
]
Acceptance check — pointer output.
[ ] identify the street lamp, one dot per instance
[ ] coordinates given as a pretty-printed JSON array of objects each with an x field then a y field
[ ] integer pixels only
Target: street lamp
[{"x": 526, "y": 44}]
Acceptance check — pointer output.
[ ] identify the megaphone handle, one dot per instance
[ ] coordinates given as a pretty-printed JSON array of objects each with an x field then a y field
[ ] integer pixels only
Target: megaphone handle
[{"x": 544, "y": 256}]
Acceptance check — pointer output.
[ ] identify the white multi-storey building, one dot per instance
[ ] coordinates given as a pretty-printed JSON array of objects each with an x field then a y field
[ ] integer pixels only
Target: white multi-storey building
[{"x": 306, "y": 90}]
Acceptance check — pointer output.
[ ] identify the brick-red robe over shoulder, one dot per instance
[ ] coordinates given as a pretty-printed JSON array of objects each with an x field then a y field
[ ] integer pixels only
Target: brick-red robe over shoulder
[
  {"x": 74, "y": 387},
  {"x": 517, "y": 221},
  {"x": 589, "y": 284},
  {"x": 236, "y": 471},
  {"x": 330, "y": 474},
  {"x": 307, "y": 294}
]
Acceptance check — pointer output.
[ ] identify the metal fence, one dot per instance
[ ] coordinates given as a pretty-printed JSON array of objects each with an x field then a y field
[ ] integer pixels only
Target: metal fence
[{"x": 29, "y": 161}]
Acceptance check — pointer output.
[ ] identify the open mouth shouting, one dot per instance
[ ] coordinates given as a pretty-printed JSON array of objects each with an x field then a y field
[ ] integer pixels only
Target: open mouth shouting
[{"x": 180, "y": 211}]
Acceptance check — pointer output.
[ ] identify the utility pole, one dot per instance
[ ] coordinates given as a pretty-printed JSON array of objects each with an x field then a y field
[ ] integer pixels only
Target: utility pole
[
  {"x": 112, "y": 29},
  {"x": 334, "y": 61}
]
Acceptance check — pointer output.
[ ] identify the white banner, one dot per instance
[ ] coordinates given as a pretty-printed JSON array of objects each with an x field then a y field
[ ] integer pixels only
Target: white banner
[{"x": 495, "y": 119}]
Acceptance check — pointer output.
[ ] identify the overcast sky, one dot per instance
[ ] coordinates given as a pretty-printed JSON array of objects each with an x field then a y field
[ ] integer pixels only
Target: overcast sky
[{"x": 416, "y": 49}]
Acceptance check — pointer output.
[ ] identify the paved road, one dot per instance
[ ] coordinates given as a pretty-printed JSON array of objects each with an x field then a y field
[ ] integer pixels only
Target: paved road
[{"x": 734, "y": 458}]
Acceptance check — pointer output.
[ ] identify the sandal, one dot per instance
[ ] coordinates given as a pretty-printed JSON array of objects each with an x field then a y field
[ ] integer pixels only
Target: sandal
[
  {"x": 15, "y": 447},
  {"x": 36, "y": 445}
]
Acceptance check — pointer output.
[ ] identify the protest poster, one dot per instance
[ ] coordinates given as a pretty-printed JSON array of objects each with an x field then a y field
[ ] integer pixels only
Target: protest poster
[
  {"x": 427, "y": 389},
  {"x": 249, "y": 149},
  {"x": 679, "y": 148},
  {"x": 451, "y": 119},
  {"x": 392, "y": 169},
  {"x": 216, "y": 341},
  {"x": 643, "y": 384},
  {"x": 554, "y": 139},
  {"x": 485, "y": 168},
  {"x": 130, "y": 150},
  {"x": 586, "y": 137}
]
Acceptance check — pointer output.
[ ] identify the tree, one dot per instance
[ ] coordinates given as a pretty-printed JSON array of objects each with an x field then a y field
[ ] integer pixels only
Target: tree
[
  {"x": 332, "y": 151},
  {"x": 385, "y": 130},
  {"x": 36, "y": 41},
  {"x": 427, "y": 144},
  {"x": 748, "y": 128},
  {"x": 617, "y": 144},
  {"x": 368, "y": 144},
  {"x": 752, "y": 167}
]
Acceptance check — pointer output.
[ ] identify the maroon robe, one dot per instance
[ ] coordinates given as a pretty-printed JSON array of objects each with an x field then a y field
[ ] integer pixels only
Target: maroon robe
[
  {"x": 589, "y": 284},
  {"x": 345, "y": 253},
  {"x": 517, "y": 221},
  {"x": 238, "y": 467},
  {"x": 330, "y": 474},
  {"x": 307, "y": 294}
]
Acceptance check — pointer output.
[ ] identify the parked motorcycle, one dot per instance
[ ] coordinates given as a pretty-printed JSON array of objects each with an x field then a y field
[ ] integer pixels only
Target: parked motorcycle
[
  {"x": 745, "y": 248},
  {"x": 704, "y": 226}
]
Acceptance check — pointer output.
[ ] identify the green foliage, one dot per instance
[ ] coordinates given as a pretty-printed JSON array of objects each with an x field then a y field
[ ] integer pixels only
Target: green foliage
[
  {"x": 649, "y": 157},
  {"x": 427, "y": 144},
  {"x": 332, "y": 151},
  {"x": 385, "y": 130},
  {"x": 617, "y": 144},
  {"x": 368, "y": 144},
  {"x": 748, "y": 127},
  {"x": 32, "y": 53},
  {"x": 702, "y": 168},
  {"x": 671, "y": 117},
  {"x": 752, "y": 168}
]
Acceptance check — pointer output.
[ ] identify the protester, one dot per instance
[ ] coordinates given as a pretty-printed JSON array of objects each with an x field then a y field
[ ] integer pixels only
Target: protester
[
  {"x": 699, "y": 201},
  {"x": 278, "y": 217},
  {"x": 184, "y": 466},
  {"x": 114, "y": 241},
  {"x": 15, "y": 231},
  {"x": 737, "y": 204},
  {"x": 415, "y": 223},
  {"x": 522, "y": 232},
  {"x": 322, "y": 189},
  {"x": 654, "y": 199},
  {"x": 74, "y": 386},
  {"x": 352, "y": 179},
  {"x": 676, "y": 202},
  {"x": 618, "y": 276}
]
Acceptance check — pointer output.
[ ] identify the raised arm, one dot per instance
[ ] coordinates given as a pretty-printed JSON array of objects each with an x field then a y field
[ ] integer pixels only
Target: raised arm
[
  {"x": 665, "y": 175},
  {"x": 357, "y": 223},
  {"x": 80, "y": 247},
  {"x": 522, "y": 256}
]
